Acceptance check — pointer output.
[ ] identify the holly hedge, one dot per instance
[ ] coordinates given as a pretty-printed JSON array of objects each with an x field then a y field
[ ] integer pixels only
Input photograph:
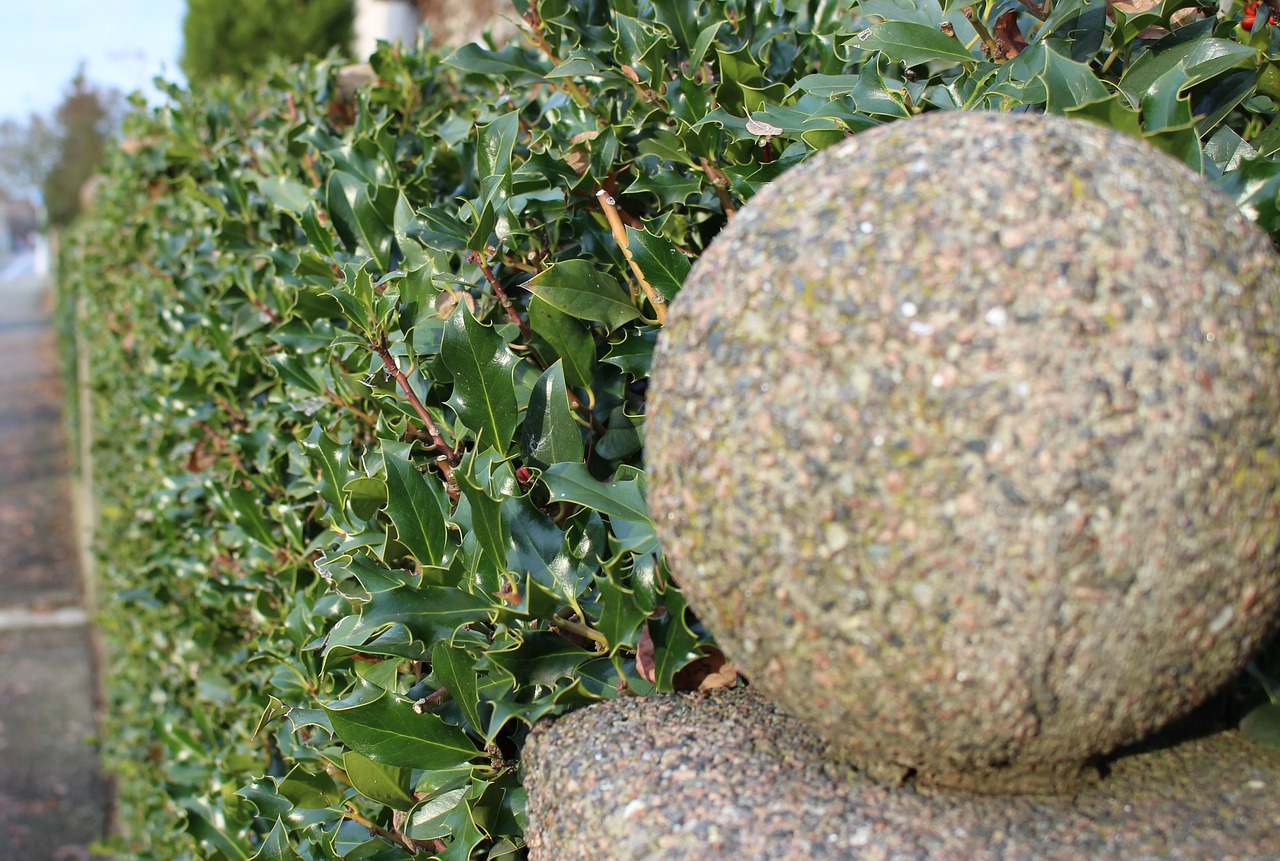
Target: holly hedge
[{"x": 368, "y": 373}]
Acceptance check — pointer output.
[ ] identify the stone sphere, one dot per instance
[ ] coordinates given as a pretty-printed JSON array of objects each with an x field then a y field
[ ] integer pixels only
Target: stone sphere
[{"x": 963, "y": 443}]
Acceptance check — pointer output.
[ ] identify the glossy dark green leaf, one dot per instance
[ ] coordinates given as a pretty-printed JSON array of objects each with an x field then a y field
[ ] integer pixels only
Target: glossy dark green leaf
[
  {"x": 305, "y": 789},
  {"x": 430, "y": 612},
  {"x": 263, "y": 796},
  {"x": 550, "y": 434},
  {"x": 1068, "y": 84},
  {"x": 510, "y": 64},
  {"x": 366, "y": 496},
  {"x": 536, "y": 544},
  {"x": 1201, "y": 59},
  {"x": 377, "y": 781},
  {"x": 660, "y": 261},
  {"x": 621, "y": 614},
  {"x": 319, "y": 235},
  {"x": 355, "y": 295},
  {"x": 276, "y": 846},
  {"x": 571, "y": 340},
  {"x": 345, "y": 641},
  {"x": 484, "y": 392},
  {"x": 540, "y": 658},
  {"x": 332, "y": 464},
  {"x": 912, "y": 44},
  {"x": 578, "y": 288},
  {"x": 486, "y": 517},
  {"x": 1268, "y": 141},
  {"x": 681, "y": 18},
  {"x": 1113, "y": 112},
  {"x": 634, "y": 353},
  {"x": 298, "y": 372},
  {"x": 430, "y": 819},
  {"x": 572, "y": 482},
  {"x": 1162, "y": 104},
  {"x": 872, "y": 96},
  {"x": 675, "y": 646},
  {"x": 416, "y": 505},
  {"x": 357, "y": 218},
  {"x": 387, "y": 730},
  {"x": 245, "y": 509},
  {"x": 463, "y": 823},
  {"x": 454, "y": 668},
  {"x": 495, "y": 141}
]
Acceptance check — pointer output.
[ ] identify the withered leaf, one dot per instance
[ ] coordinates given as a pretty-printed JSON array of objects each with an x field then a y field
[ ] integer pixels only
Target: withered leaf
[{"x": 1009, "y": 38}]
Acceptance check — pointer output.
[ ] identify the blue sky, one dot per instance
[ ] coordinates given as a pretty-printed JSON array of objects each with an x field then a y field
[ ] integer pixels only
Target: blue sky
[{"x": 123, "y": 44}]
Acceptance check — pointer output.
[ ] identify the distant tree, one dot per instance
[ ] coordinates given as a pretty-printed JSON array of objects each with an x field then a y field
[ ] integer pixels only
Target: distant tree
[
  {"x": 235, "y": 38},
  {"x": 28, "y": 151},
  {"x": 83, "y": 123}
]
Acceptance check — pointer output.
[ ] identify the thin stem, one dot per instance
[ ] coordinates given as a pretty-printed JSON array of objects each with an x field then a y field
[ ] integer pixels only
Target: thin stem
[
  {"x": 993, "y": 50},
  {"x": 431, "y": 700},
  {"x": 534, "y": 35},
  {"x": 437, "y": 440},
  {"x": 377, "y": 830},
  {"x": 610, "y": 207},
  {"x": 720, "y": 182},
  {"x": 581, "y": 630},
  {"x": 512, "y": 314}
]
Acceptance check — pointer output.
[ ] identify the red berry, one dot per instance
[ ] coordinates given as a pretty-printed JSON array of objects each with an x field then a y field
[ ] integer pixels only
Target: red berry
[{"x": 1251, "y": 15}]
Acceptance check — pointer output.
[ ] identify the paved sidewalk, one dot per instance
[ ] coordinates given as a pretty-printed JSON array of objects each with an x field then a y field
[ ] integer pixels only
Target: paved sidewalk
[{"x": 54, "y": 801}]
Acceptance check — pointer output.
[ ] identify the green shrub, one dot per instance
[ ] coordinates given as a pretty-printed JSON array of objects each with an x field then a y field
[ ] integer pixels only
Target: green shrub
[{"x": 368, "y": 377}]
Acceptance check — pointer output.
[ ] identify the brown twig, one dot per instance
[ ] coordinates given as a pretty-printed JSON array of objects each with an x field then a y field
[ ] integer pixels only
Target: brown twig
[
  {"x": 610, "y": 207},
  {"x": 720, "y": 182},
  {"x": 437, "y": 440},
  {"x": 431, "y": 700},
  {"x": 512, "y": 314},
  {"x": 989, "y": 43},
  {"x": 534, "y": 35},
  {"x": 581, "y": 630},
  {"x": 378, "y": 831}
]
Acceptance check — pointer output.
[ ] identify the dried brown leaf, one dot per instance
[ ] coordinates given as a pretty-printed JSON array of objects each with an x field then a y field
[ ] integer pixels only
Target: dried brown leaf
[
  {"x": 710, "y": 671},
  {"x": 1008, "y": 36},
  {"x": 644, "y": 657}
]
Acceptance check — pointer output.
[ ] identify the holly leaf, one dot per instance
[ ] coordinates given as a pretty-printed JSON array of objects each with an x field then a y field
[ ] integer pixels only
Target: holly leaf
[
  {"x": 276, "y": 846},
  {"x": 572, "y": 482},
  {"x": 377, "y": 781},
  {"x": 332, "y": 461},
  {"x": 454, "y": 669},
  {"x": 912, "y": 44},
  {"x": 571, "y": 340},
  {"x": 578, "y": 288},
  {"x": 416, "y": 505},
  {"x": 386, "y": 729},
  {"x": 430, "y": 612},
  {"x": 660, "y": 261},
  {"x": 484, "y": 390},
  {"x": 549, "y": 434}
]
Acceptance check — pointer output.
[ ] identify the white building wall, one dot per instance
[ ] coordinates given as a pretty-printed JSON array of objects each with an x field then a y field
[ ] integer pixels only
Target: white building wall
[{"x": 385, "y": 20}]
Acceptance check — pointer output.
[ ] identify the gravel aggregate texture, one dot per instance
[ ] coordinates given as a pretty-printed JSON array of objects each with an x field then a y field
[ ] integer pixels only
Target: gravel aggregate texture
[
  {"x": 962, "y": 434},
  {"x": 726, "y": 775}
]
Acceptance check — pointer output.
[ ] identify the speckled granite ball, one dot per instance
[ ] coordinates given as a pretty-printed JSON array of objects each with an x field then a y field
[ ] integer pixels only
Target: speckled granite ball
[{"x": 963, "y": 442}]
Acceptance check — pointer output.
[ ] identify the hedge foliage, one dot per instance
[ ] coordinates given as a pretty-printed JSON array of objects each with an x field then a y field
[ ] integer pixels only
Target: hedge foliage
[{"x": 368, "y": 375}]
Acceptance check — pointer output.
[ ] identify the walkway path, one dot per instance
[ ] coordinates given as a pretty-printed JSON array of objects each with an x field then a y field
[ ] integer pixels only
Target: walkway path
[{"x": 53, "y": 798}]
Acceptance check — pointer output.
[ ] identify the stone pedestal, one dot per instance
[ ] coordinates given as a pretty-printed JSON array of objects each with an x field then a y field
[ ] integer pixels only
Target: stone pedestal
[{"x": 726, "y": 775}]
